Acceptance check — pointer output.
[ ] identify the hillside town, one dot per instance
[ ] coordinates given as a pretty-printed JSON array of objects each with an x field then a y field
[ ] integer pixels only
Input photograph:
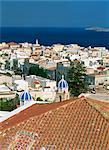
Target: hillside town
[
  {"x": 16, "y": 60},
  {"x": 34, "y": 91}
]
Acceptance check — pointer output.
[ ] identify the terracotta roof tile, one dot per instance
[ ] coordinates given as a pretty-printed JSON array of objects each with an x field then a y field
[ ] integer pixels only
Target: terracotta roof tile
[
  {"x": 12, "y": 43},
  {"x": 36, "y": 82},
  {"x": 73, "y": 125},
  {"x": 101, "y": 106},
  {"x": 35, "y": 110}
]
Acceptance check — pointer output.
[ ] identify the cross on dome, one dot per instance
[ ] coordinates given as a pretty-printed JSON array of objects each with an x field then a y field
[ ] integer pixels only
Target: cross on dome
[{"x": 62, "y": 76}]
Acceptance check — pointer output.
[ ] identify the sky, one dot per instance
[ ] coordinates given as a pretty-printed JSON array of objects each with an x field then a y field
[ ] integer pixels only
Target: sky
[{"x": 54, "y": 13}]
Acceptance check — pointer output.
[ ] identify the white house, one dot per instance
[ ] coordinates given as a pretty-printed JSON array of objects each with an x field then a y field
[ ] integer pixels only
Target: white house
[{"x": 20, "y": 85}]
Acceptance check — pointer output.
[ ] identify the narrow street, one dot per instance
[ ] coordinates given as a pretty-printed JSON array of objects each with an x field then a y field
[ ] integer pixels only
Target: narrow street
[{"x": 101, "y": 94}]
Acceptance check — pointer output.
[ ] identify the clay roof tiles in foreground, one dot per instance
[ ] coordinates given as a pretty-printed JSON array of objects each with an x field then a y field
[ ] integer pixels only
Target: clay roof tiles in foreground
[{"x": 73, "y": 125}]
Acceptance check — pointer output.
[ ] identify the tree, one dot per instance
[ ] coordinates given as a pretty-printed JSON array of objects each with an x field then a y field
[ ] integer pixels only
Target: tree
[
  {"x": 39, "y": 99},
  {"x": 7, "y": 64},
  {"x": 8, "y": 74},
  {"x": 9, "y": 104},
  {"x": 5, "y": 83},
  {"x": 36, "y": 70},
  {"x": 76, "y": 78},
  {"x": 26, "y": 67},
  {"x": 1, "y": 64},
  {"x": 18, "y": 71},
  {"x": 15, "y": 64},
  {"x": 5, "y": 54}
]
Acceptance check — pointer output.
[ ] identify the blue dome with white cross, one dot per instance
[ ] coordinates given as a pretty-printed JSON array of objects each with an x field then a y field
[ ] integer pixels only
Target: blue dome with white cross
[
  {"x": 25, "y": 96},
  {"x": 63, "y": 84}
]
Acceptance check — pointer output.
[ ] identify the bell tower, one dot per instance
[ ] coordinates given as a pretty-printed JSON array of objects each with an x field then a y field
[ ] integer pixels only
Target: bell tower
[
  {"x": 63, "y": 93},
  {"x": 37, "y": 42}
]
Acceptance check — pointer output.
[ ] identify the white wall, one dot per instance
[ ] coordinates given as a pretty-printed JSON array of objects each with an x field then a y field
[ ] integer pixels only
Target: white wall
[
  {"x": 101, "y": 79},
  {"x": 50, "y": 96},
  {"x": 4, "y": 78}
]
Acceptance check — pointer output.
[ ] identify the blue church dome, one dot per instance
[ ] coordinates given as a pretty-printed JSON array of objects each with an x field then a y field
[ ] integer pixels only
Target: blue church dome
[
  {"x": 25, "y": 96},
  {"x": 62, "y": 84}
]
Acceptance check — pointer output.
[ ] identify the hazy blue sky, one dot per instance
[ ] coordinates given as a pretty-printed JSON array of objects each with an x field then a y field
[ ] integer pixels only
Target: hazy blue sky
[{"x": 54, "y": 13}]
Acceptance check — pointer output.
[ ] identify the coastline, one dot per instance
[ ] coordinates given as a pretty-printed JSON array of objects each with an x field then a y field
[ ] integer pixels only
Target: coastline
[
  {"x": 97, "y": 29},
  {"x": 52, "y": 35}
]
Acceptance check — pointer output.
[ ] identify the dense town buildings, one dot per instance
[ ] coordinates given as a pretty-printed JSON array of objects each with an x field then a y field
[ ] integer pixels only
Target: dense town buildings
[
  {"x": 39, "y": 97},
  {"x": 55, "y": 60},
  {"x": 50, "y": 57}
]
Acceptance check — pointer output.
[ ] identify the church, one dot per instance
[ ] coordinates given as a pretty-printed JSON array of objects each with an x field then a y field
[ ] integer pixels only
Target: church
[{"x": 61, "y": 94}]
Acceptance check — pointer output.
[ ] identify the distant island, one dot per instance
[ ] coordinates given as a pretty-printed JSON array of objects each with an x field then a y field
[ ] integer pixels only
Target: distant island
[{"x": 98, "y": 29}]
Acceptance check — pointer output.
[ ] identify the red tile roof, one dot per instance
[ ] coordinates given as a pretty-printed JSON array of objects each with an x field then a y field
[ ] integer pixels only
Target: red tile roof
[
  {"x": 34, "y": 110},
  {"x": 101, "y": 68},
  {"x": 12, "y": 43},
  {"x": 36, "y": 82},
  {"x": 70, "y": 125},
  {"x": 101, "y": 106},
  {"x": 34, "y": 55}
]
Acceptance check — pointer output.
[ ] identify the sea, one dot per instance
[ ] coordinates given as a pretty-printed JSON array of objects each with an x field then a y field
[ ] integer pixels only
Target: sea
[{"x": 49, "y": 36}]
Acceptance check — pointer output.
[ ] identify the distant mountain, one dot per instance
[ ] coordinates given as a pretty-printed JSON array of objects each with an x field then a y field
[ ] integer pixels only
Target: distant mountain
[{"x": 98, "y": 29}]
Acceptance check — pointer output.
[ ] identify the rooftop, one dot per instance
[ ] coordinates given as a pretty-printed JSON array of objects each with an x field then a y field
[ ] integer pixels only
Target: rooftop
[{"x": 72, "y": 125}]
